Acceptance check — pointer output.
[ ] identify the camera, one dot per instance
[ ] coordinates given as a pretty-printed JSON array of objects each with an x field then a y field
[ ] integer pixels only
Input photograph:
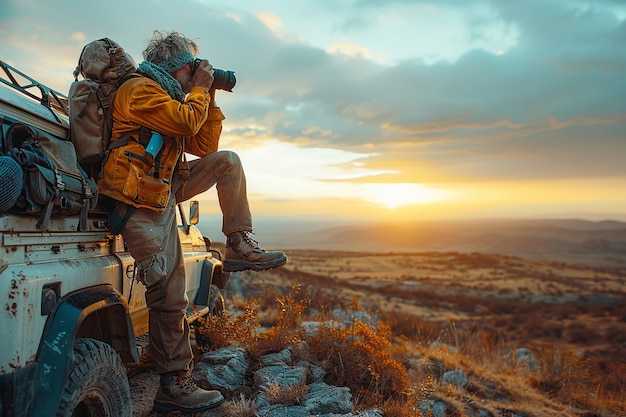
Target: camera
[{"x": 222, "y": 79}]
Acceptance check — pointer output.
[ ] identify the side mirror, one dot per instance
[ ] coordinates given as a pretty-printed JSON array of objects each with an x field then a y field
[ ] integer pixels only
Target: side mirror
[{"x": 194, "y": 212}]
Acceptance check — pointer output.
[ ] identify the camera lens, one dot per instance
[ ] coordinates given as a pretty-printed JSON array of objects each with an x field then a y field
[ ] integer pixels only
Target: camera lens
[{"x": 223, "y": 80}]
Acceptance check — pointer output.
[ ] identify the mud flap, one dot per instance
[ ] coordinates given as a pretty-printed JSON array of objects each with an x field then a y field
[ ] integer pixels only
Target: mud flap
[{"x": 204, "y": 290}]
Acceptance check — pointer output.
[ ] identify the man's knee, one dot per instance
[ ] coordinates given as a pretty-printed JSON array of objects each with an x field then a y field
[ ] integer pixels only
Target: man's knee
[
  {"x": 218, "y": 163},
  {"x": 229, "y": 157}
]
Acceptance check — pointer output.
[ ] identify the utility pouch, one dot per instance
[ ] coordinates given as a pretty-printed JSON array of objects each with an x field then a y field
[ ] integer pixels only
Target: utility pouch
[
  {"x": 140, "y": 183},
  {"x": 154, "y": 192}
]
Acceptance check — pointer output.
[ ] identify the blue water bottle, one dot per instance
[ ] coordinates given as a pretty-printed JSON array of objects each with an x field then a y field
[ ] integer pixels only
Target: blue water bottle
[{"x": 154, "y": 145}]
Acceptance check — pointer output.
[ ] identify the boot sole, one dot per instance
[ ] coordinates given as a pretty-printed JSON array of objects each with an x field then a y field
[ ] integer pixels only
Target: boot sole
[
  {"x": 235, "y": 265},
  {"x": 166, "y": 406}
]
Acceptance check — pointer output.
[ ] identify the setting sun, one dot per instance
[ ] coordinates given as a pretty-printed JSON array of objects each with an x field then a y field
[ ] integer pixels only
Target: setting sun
[{"x": 396, "y": 195}]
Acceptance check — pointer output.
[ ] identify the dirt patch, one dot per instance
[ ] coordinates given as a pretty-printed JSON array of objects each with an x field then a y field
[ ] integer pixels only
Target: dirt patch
[{"x": 143, "y": 387}]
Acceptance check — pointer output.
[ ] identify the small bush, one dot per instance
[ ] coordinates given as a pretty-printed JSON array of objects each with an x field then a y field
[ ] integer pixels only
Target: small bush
[
  {"x": 221, "y": 330},
  {"x": 615, "y": 335},
  {"x": 412, "y": 327},
  {"x": 287, "y": 330},
  {"x": 562, "y": 372},
  {"x": 581, "y": 334},
  {"x": 362, "y": 358}
]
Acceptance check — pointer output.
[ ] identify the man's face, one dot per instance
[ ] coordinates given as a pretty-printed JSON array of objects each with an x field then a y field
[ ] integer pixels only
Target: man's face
[{"x": 183, "y": 76}]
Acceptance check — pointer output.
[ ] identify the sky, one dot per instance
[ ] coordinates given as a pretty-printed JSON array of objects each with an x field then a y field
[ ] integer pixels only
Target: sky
[{"x": 396, "y": 110}]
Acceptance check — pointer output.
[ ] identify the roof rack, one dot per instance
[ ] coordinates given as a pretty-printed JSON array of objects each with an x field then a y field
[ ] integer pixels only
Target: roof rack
[{"x": 46, "y": 96}]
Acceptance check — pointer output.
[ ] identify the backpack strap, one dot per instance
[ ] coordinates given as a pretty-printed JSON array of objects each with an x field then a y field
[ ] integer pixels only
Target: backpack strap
[
  {"x": 116, "y": 221},
  {"x": 115, "y": 144},
  {"x": 88, "y": 195},
  {"x": 79, "y": 65},
  {"x": 127, "y": 77}
]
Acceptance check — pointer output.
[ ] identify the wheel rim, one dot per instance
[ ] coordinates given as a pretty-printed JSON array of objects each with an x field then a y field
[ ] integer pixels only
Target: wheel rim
[{"x": 92, "y": 405}]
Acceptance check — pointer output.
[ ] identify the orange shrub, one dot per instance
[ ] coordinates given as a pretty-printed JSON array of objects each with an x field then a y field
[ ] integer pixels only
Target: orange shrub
[{"x": 360, "y": 357}]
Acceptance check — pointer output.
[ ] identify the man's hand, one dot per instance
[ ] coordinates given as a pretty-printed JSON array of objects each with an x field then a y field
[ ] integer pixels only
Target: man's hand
[
  {"x": 204, "y": 78},
  {"x": 203, "y": 75}
]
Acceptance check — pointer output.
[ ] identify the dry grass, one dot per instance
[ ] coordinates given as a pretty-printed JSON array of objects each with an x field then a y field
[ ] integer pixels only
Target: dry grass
[
  {"x": 228, "y": 329},
  {"x": 286, "y": 395},
  {"x": 441, "y": 312},
  {"x": 240, "y": 407},
  {"x": 362, "y": 357},
  {"x": 286, "y": 331}
]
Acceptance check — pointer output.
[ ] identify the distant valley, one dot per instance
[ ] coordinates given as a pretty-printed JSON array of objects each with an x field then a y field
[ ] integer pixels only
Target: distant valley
[{"x": 601, "y": 243}]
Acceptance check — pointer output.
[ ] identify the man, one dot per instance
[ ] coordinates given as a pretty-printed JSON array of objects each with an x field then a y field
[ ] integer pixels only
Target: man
[{"x": 176, "y": 101}]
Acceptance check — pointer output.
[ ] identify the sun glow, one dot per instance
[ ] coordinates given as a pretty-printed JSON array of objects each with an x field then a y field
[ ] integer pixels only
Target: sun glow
[{"x": 401, "y": 194}]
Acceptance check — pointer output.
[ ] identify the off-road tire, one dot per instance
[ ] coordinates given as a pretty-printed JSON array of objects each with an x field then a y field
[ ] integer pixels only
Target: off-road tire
[
  {"x": 216, "y": 301},
  {"x": 97, "y": 385},
  {"x": 217, "y": 305}
]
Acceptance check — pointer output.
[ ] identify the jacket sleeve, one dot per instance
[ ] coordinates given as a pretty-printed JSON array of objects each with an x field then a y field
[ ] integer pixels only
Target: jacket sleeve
[
  {"x": 149, "y": 105},
  {"x": 206, "y": 141}
]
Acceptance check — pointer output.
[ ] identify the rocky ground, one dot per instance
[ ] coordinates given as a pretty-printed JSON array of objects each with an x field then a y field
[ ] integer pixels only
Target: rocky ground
[
  {"x": 225, "y": 370},
  {"x": 556, "y": 303}
]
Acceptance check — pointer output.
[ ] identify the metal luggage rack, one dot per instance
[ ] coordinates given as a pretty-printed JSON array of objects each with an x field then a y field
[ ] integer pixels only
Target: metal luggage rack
[{"x": 30, "y": 87}]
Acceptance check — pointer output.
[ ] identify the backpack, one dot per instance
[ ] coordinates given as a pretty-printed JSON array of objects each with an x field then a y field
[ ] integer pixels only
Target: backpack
[
  {"x": 53, "y": 183},
  {"x": 104, "y": 66}
]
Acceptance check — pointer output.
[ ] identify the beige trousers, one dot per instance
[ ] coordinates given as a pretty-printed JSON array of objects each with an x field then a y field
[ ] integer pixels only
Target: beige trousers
[{"x": 152, "y": 239}]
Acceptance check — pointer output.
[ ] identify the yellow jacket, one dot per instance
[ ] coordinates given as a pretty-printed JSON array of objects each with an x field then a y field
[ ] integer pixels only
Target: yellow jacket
[{"x": 128, "y": 173}]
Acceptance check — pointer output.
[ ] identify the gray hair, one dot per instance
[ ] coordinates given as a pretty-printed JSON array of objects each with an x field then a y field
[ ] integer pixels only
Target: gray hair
[{"x": 167, "y": 46}]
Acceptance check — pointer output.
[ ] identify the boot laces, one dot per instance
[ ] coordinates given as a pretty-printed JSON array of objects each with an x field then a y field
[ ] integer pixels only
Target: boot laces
[
  {"x": 186, "y": 383},
  {"x": 250, "y": 242}
]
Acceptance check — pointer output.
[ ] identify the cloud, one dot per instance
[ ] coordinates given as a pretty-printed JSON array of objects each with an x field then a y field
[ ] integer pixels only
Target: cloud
[
  {"x": 78, "y": 36},
  {"x": 433, "y": 91},
  {"x": 562, "y": 83},
  {"x": 351, "y": 50}
]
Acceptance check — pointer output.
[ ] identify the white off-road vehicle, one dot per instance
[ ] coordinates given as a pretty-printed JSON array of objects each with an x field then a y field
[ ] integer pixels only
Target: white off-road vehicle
[{"x": 71, "y": 320}]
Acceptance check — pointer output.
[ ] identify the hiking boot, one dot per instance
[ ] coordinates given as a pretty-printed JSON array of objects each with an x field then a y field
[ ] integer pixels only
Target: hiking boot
[
  {"x": 243, "y": 253},
  {"x": 180, "y": 393}
]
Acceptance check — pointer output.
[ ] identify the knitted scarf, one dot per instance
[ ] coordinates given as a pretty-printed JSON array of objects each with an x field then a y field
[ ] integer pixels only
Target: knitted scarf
[{"x": 163, "y": 78}]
